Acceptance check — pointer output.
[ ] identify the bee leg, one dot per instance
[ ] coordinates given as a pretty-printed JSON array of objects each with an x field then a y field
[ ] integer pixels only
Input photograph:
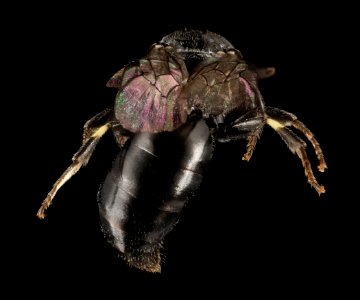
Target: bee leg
[
  {"x": 94, "y": 129},
  {"x": 252, "y": 124},
  {"x": 280, "y": 120}
]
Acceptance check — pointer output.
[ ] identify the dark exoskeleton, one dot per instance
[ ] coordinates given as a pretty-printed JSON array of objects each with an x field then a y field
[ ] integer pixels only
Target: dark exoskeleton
[{"x": 160, "y": 109}]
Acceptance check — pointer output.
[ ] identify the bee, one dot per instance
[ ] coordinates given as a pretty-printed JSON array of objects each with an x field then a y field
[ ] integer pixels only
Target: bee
[{"x": 167, "y": 123}]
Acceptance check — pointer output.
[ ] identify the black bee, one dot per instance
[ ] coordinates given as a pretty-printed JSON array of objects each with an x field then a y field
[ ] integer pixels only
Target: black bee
[{"x": 159, "y": 110}]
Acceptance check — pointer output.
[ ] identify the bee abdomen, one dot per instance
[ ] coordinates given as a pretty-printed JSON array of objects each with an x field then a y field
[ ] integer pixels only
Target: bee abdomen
[{"x": 151, "y": 180}]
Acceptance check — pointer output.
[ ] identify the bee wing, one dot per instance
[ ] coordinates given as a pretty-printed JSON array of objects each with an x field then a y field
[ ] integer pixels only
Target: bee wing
[
  {"x": 221, "y": 84},
  {"x": 147, "y": 100}
]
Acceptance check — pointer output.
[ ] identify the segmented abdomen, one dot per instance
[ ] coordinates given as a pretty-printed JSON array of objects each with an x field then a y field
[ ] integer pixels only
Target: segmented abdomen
[{"x": 143, "y": 196}]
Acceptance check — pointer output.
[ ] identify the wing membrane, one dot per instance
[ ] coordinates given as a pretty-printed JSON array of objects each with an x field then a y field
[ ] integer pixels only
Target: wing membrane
[{"x": 149, "y": 88}]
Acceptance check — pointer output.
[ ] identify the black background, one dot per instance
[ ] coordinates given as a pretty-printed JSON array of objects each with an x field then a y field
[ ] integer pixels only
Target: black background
[{"x": 255, "y": 227}]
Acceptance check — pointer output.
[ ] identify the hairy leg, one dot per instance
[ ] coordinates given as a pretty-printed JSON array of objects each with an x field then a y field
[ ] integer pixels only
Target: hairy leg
[
  {"x": 94, "y": 129},
  {"x": 280, "y": 120}
]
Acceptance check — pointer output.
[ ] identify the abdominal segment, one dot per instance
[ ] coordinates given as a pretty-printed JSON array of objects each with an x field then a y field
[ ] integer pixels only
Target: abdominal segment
[{"x": 144, "y": 194}]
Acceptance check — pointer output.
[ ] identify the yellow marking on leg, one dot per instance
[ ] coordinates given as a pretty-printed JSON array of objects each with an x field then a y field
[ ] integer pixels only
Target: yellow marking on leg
[
  {"x": 80, "y": 159},
  {"x": 99, "y": 132},
  {"x": 274, "y": 124}
]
